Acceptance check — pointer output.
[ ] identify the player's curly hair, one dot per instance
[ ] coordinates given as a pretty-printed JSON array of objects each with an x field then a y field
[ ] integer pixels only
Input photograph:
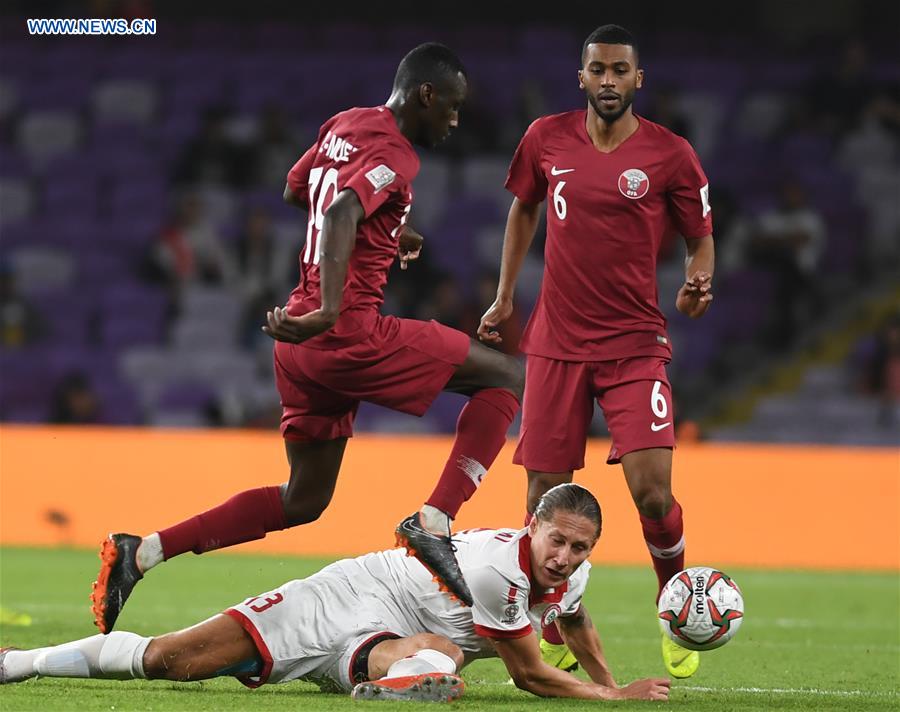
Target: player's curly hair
[
  {"x": 609, "y": 34},
  {"x": 429, "y": 62},
  {"x": 571, "y": 498}
]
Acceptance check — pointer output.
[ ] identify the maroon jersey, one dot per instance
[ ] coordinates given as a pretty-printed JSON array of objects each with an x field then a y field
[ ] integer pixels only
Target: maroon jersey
[
  {"x": 606, "y": 216},
  {"x": 363, "y": 150}
]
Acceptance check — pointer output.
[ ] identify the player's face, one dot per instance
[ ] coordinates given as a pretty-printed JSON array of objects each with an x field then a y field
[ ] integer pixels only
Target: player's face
[
  {"x": 610, "y": 78},
  {"x": 442, "y": 103},
  {"x": 559, "y": 546}
]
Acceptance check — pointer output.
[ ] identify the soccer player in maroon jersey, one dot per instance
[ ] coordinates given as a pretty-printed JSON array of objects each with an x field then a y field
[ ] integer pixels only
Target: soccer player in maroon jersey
[
  {"x": 334, "y": 349},
  {"x": 614, "y": 183}
]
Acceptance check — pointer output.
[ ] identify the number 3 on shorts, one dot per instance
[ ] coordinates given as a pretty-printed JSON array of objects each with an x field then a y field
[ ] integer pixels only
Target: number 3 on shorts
[
  {"x": 658, "y": 401},
  {"x": 268, "y": 602}
]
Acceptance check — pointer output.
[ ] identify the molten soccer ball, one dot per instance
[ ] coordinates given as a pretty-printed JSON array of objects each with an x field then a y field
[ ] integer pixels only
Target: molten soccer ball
[{"x": 701, "y": 608}]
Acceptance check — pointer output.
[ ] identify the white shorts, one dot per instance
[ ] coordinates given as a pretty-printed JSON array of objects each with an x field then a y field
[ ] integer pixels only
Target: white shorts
[{"x": 312, "y": 629}]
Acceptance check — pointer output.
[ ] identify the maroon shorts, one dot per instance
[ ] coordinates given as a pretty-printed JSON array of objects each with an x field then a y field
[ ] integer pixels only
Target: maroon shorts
[
  {"x": 634, "y": 394},
  {"x": 403, "y": 364}
]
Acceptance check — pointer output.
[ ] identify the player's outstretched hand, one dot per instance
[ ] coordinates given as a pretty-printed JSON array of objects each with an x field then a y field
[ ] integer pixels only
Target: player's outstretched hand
[
  {"x": 410, "y": 246},
  {"x": 654, "y": 689},
  {"x": 496, "y": 314},
  {"x": 695, "y": 295},
  {"x": 281, "y": 326}
]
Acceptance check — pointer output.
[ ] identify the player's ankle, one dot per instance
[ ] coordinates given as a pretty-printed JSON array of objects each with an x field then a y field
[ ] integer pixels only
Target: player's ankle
[
  {"x": 435, "y": 520},
  {"x": 149, "y": 553}
]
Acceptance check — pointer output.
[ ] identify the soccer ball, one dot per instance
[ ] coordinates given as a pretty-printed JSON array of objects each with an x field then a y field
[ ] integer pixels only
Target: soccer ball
[{"x": 701, "y": 608}]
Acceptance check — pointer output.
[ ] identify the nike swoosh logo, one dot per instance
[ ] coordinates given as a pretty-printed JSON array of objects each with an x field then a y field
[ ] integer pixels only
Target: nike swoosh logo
[
  {"x": 656, "y": 428},
  {"x": 554, "y": 171}
]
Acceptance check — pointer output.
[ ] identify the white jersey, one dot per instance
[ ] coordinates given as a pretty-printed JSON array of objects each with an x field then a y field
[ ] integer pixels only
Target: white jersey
[
  {"x": 497, "y": 567},
  {"x": 313, "y": 628}
]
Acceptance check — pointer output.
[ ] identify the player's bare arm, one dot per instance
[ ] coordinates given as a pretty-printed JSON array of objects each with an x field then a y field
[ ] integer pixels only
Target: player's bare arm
[
  {"x": 529, "y": 672},
  {"x": 410, "y": 246},
  {"x": 335, "y": 246},
  {"x": 581, "y": 636},
  {"x": 695, "y": 295},
  {"x": 521, "y": 225}
]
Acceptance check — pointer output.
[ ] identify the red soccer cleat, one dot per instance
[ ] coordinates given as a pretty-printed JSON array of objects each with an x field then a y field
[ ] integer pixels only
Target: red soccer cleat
[{"x": 429, "y": 687}]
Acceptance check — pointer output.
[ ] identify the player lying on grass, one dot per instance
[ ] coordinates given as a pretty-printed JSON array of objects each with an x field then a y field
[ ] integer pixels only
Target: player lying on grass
[{"x": 378, "y": 624}]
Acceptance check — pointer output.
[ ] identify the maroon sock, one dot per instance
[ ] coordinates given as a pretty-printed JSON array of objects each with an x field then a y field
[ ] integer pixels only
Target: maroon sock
[
  {"x": 551, "y": 634},
  {"x": 244, "y": 517},
  {"x": 665, "y": 540},
  {"x": 480, "y": 433}
]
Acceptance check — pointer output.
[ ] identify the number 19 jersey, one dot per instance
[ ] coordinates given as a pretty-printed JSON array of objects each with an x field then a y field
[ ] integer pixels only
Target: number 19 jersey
[
  {"x": 606, "y": 216},
  {"x": 363, "y": 150}
]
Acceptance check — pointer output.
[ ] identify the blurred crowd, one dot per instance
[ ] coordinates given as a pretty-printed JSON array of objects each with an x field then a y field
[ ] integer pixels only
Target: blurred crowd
[{"x": 804, "y": 166}]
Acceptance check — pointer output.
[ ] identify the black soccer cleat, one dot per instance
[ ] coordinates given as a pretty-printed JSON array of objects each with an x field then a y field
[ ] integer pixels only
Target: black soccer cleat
[
  {"x": 119, "y": 573},
  {"x": 437, "y": 555}
]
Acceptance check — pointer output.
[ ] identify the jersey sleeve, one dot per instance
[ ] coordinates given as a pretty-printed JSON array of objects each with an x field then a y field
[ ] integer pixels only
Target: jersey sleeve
[
  {"x": 500, "y": 607},
  {"x": 525, "y": 178},
  {"x": 298, "y": 176},
  {"x": 688, "y": 195},
  {"x": 380, "y": 174}
]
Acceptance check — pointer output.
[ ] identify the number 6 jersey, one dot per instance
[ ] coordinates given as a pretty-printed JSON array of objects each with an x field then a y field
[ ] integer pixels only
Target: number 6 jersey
[
  {"x": 606, "y": 216},
  {"x": 363, "y": 150}
]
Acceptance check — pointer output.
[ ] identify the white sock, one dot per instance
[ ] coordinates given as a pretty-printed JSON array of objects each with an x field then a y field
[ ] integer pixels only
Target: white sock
[
  {"x": 149, "y": 553},
  {"x": 118, "y": 655},
  {"x": 434, "y": 520},
  {"x": 19, "y": 664},
  {"x": 424, "y": 661}
]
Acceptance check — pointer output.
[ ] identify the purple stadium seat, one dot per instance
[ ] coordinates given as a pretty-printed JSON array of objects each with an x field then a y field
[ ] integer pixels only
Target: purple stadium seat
[
  {"x": 279, "y": 35},
  {"x": 185, "y": 395},
  {"x": 120, "y": 332},
  {"x": 143, "y": 199},
  {"x": 69, "y": 92},
  {"x": 119, "y": 404},
  {"x": 77, "y": 200}
]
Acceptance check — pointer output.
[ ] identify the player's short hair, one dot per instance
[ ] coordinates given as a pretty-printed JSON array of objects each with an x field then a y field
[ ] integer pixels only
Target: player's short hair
[
  {"x": 429, "y": 62},
  {"x": 609, "y": 34},
  {"x": 571, "y": 498}
]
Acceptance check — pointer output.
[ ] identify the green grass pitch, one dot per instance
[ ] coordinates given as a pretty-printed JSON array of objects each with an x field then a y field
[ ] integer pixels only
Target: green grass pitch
[{"x": 810, "y": 641}]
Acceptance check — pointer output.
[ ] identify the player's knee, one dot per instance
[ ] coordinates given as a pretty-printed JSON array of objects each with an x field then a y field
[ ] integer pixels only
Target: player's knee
[
  {"x": 443, "y": 645},
  {"x": 155, "y": 667},
  {"x": 303, "y": 511},
  {"x": 303, "y": 506},
  {"x": 515, "y": 378},
  {"x": 653, "y": 503}
]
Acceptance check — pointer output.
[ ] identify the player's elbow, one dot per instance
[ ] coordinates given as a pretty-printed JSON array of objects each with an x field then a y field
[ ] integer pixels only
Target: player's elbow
[
  {"x": 527, "y": 682},
  {"x": 525, "y": 679},
  {"x": 289, "y": 196}
]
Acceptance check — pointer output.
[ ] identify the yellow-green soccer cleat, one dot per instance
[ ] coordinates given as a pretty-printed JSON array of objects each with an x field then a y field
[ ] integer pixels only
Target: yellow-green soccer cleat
[
  {"x": 558, "y": 656},
  {"x": 680, "y": 662}
]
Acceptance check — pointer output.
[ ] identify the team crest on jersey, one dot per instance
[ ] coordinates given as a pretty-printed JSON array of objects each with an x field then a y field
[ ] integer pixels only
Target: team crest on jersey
[
  {"x": 550, "y": 615},
  {"x": 510, "y": 613},
  {"x": 380, "y": 177},
  {"x": 634, "y": 183}
]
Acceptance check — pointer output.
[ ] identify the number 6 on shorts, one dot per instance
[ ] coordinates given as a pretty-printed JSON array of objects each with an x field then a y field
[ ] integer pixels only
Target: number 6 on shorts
[{"x": 658, "y": 401}]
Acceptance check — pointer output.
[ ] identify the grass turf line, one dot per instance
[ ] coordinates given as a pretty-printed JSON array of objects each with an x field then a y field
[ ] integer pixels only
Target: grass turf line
[{"x": 823, "y": 641}]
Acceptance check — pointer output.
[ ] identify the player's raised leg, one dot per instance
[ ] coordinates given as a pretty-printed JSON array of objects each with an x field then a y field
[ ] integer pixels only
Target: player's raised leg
[
  {"x": 494, "y": 382},
  {"x": 249, "y": 515},
  {"x": 649, "y": 477},
  {"x": 419, "y": 668}
]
